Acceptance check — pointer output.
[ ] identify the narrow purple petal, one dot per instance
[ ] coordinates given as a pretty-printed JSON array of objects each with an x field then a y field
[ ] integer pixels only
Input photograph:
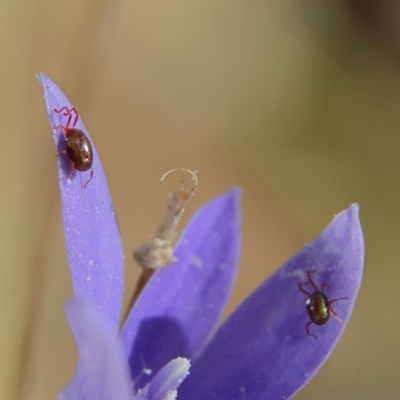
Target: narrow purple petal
[
  {"x": 181, "y": 305},
  {"x": 94, "y": 245},
  {"x": 263, "y": 351},
  {"x": 103, "y": 371},
  {"x": 165, "y": 383}
]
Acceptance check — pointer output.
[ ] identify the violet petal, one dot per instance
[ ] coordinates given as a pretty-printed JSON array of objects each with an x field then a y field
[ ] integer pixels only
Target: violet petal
[
  {"x": 103, "y": 371},
  {"x": 263, "y": 351},
  {"x": 164, "y": 384},
  {"x": 94, "y": 245},
  {"x": 181, "y": 305}
]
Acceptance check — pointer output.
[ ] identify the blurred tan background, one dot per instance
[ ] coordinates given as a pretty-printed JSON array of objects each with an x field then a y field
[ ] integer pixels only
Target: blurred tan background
[{"x": 298, "y": 102}]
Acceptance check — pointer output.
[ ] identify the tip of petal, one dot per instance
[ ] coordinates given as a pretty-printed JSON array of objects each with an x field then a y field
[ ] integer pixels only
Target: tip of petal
[
  {"x": 355, "y": 206},
  {"x": 352, "y": 212},
  {"x": 236, "y": 192},
  {"x": 43, "y": 79},
  {"x": 348, "y": 222}
]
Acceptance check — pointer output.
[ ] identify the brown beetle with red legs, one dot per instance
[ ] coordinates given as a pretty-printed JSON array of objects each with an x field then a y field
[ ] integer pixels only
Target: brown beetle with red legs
[{"x": 79, "y": 149}]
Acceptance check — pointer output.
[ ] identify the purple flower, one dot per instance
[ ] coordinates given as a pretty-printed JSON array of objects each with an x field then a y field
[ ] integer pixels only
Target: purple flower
[{"x": 263, "y": 350}]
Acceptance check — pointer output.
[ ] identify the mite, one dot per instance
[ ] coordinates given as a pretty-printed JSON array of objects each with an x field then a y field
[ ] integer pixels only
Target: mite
[
  {"x": 79, "y": 149},
  {"x": 318, "y": 306}
]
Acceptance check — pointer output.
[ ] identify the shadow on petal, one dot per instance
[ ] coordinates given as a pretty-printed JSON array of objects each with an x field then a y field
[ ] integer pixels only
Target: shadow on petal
[{"x": 159, "y": 340}]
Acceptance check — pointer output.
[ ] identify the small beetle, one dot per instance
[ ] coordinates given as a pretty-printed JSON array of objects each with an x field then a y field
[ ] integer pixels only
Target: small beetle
[
  {"x": 318, "y": 306},
  {"x": 79, "y": 149}
]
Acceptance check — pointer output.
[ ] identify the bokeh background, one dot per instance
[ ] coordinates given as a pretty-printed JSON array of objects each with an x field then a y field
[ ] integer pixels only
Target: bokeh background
[{"x": 297, "y": 101}]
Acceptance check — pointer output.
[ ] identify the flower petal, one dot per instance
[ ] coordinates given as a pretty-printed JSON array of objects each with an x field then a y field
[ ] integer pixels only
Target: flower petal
[
  {"x": 165, "y": 383},
  {"x": 103, "y": 371},
  {"x": 181, "y": 305},
  {"x": 94, "y": 245},
  {"x": 263, "y": 351}
]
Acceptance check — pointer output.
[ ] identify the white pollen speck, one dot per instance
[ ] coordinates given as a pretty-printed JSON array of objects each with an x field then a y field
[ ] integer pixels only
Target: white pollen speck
[
  {"x": 147, "y": 371},
  {"x": 197, "y": 261},
  {"x": 91, "y": 262}
]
